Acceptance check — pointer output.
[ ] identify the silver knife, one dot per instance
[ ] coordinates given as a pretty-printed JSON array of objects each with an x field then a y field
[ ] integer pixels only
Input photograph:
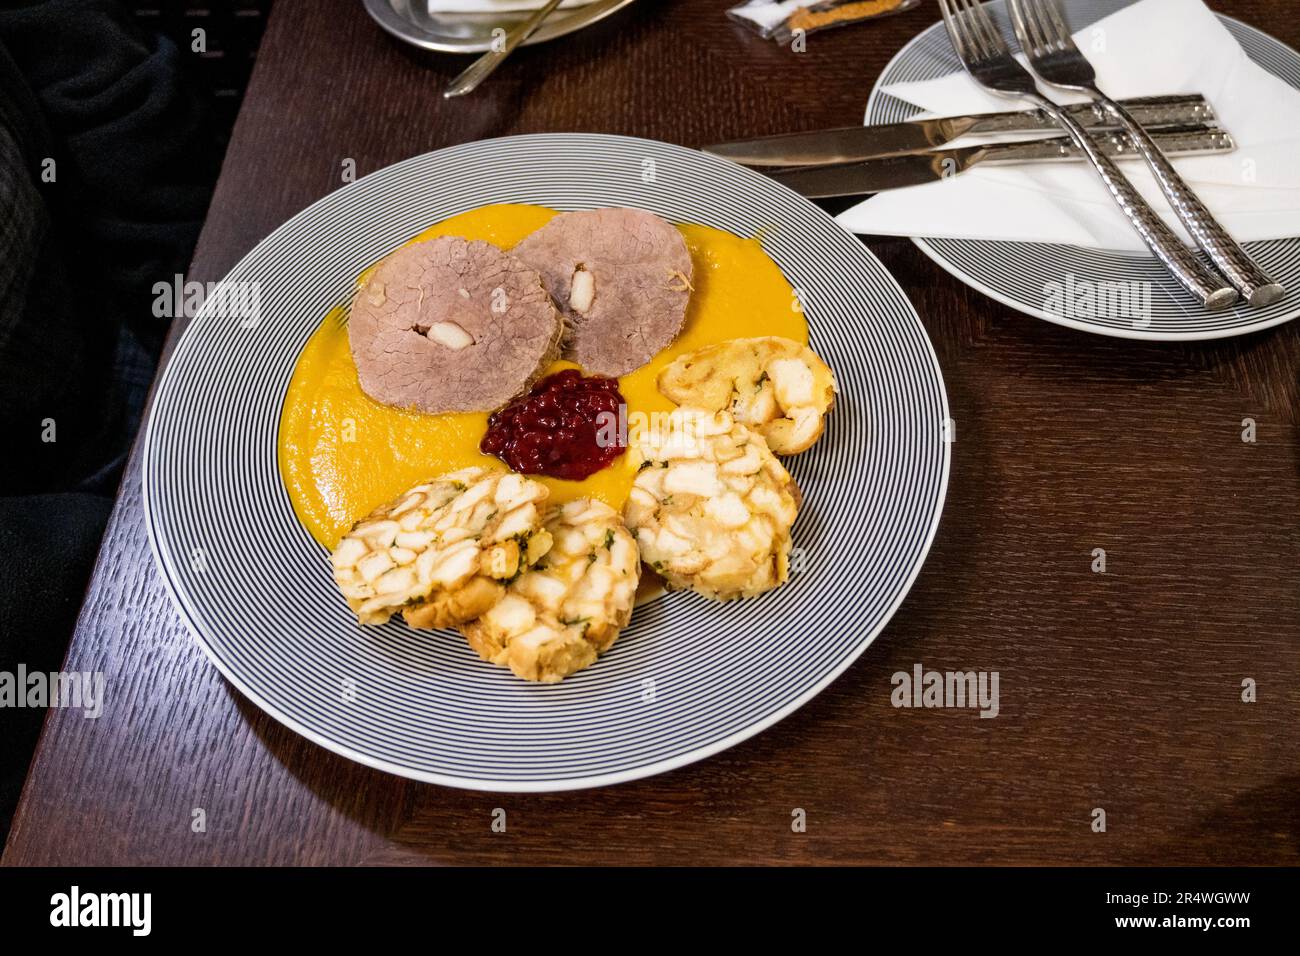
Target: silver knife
[
  {"x": 911, "y": 169},
  {"x": 865, "y": 142}
]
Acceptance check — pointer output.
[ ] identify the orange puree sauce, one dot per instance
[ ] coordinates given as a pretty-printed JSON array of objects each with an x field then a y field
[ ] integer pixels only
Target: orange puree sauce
[{"x": 342, "y": 454}]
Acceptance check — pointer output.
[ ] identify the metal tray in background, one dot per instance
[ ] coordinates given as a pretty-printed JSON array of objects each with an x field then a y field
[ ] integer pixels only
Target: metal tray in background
[{"x": 409, "y": 20}]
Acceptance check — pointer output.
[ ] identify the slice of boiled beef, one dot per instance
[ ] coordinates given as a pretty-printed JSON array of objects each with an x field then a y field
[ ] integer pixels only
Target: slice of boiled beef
[
  {"x": 622, "y": 279},
  {"x": 452, "y": 325}
]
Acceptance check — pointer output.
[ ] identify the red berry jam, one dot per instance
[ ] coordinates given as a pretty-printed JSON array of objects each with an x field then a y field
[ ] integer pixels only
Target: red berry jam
[{"x": 565, "y": 427}]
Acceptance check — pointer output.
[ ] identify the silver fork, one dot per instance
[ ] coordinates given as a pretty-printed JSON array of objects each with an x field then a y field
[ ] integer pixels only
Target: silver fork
[
  {"x": 983, "y": 51},
  {"x": 1056, "y": 59},
  {"x": 480, "y": 69}
]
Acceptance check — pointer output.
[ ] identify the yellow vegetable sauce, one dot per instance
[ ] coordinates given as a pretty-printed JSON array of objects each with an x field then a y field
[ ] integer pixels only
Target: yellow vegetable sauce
[{"x": 342, "y": 454}]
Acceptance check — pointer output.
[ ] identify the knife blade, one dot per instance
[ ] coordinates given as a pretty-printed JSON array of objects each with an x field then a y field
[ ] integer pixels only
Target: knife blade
[
  {"x": 912, "y": 169},
  {"x": 852, "y": 143}
]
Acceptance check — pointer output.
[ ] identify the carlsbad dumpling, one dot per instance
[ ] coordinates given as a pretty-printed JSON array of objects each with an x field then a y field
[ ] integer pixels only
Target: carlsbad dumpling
[
  {"x": 442, "y": 552},
  {"x": 778, "y": 387},
  {"x": 711, "y": 508},
  {"x": 560, "y": 614}
]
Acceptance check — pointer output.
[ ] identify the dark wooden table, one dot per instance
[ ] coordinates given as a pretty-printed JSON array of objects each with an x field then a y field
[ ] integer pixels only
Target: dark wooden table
[{"x": 1120, "y": 690}]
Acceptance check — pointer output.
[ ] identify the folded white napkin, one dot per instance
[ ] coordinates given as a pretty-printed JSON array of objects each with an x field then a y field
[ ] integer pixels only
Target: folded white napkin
[
  {"x": 766, "y": 14},
  {"x": 493, "y": 6},
  {"x": 1150, "y": 48}
]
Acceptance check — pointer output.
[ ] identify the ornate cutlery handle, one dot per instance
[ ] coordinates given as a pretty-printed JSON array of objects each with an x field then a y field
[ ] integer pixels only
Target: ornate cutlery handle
[
  {"x": 1224, "y": 251},
  {"x": 1167, "y": 110},
  {"x": 1183, "y": 262},
  {"x": 1175, "y": 110},
  {"x": 1114, "y": 143}
]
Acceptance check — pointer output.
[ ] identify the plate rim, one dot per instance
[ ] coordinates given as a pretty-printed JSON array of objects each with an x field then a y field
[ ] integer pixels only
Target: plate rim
[
  {"x": 1132, "y": 334},
  {"x": 182, "y": 605},
  {"x": 382, "y": 12}
]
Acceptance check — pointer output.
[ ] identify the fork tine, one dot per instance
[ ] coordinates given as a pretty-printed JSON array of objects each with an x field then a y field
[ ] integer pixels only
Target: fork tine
[
  {"x": 1042, "y": 30},
  {"x": 1023, "y": 26},
  {"x": 971, "y": 41},
  {"x": 951, "y": 28},
  {"x": 1046, "y": 32},
  {"x": 1054, "y": 16},
  {"x": 971, "y": 29},
  {"x": 984, "y": 23},
  {"x": 956, "y": 31}
]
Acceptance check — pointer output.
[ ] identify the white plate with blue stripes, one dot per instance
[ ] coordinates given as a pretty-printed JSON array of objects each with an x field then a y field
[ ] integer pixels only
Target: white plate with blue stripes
[
  {"x": 1016, "y": 273},
  {"x": 688, "y": 677}
]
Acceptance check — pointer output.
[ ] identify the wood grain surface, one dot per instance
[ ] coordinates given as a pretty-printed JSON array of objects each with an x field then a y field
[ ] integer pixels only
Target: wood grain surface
[{"x": 1119, "y": 691}]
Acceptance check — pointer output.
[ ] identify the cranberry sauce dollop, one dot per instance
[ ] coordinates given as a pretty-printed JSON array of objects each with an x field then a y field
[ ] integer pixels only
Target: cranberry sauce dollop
[{"x": 558, "y": 429}]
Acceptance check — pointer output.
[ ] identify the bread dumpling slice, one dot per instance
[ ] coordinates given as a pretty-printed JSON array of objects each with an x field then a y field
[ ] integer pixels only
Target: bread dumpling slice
[
  {"x": 442, "y": 552},
  {"x": 559, "y": 615},
  {"x": 711, "y": 508},
  {"x": 775, "y": 386}
]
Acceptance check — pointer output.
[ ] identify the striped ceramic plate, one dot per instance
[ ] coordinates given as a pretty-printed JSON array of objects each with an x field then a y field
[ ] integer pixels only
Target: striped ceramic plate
[
  {"x": 1015, "y": 273},
  {"x": 688, "y": 677}
]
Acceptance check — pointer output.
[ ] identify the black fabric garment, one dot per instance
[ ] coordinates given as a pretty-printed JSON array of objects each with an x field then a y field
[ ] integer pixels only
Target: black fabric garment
[
  {"x": 48, "y": 345},
  {"x": 133, "y": 171},
  {"x": 42, "y": 594},
  {"x": 106, "y": 168}
]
